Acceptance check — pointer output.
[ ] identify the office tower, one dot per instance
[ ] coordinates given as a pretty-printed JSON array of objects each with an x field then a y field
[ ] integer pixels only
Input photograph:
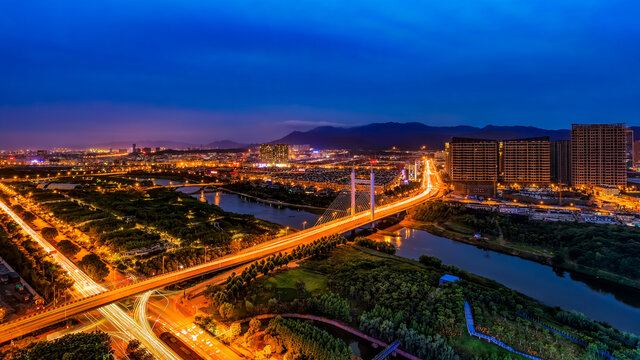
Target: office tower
[
  {"x": 561, "y": 162},
  {"x": 525, "y": 161},
  {"x": 472, "y": 165},
  {"x": 598, "y": 154},
  {"x": 274, "y": 153}
]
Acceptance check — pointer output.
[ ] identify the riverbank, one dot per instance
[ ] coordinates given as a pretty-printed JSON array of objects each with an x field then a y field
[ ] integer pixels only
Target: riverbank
[
  {"x": 382, "y": 289},
  {"x": 273, "y": 202},
  {"x": 523, "y": 252}
]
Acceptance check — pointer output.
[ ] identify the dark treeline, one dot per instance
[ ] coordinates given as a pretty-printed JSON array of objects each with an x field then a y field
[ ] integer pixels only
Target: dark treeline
[
  {"x": 30, "y": 261},
  {"x": 302, "y": 340},
  {"x": 86, "y": 346},
  {"x": 280, "y": 193},
  {"x": 381, "y": 246}
]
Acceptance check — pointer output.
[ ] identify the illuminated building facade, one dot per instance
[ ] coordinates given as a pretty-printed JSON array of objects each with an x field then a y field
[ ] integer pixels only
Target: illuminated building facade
[
  {"x": 472, "y": 165},
  {"x": 274, "y": 153},
  {"x": 525, "y": 161},
  {"x": 599, "y": 154}
]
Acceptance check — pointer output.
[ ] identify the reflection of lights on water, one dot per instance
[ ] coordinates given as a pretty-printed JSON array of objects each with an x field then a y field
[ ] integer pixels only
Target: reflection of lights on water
[{"x": 216, "y": 199}]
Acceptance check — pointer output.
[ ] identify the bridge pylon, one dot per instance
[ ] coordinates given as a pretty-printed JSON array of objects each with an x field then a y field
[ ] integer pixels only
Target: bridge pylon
[
  {"x": 353, "y": 191},
  {"x": 373, "y": 195}
]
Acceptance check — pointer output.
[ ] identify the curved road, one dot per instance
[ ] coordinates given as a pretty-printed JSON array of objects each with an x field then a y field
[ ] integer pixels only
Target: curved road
[{"x": 51, "y": 316}]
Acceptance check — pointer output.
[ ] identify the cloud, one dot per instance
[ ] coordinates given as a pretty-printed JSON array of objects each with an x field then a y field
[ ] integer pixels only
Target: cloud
[{"x": 312, "y": 124}]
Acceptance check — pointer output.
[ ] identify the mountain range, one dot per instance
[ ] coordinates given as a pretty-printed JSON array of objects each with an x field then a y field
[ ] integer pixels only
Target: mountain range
[
  {"x": 413, "y": 135},
  {"x": 408, "y": 135},
  {"x": 169, "y": 144},
  {"x": 377, "y": 136}
]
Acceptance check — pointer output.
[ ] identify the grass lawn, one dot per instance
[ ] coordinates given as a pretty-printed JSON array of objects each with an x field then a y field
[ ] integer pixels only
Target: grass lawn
[
  {"x": 461, "y": 229},
  {"x": 478, "y": 347},
  {"x": 282, "y": 286}
]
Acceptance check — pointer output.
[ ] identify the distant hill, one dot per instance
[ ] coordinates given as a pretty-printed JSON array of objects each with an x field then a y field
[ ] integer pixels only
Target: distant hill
[
  {"x": 225, "y": 144},
  {"x": 409, "y": 135},
  {"x": 176, "y": 145},
  {"x": 142, "y": 144}
]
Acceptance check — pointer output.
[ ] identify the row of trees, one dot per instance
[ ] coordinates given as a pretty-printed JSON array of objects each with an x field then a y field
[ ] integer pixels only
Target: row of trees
[
  {"x": 381, "y": 246},
  {"x": 302, "y": 340},
  {"x": 236, "y": 286},
  {"x": 86, "y": 346},
  {"x": 30, "y": 261},
  {"x": 331, "y": 305},
  {"x": 280, "y": 193},
  {"x": 593, "y": 330}
]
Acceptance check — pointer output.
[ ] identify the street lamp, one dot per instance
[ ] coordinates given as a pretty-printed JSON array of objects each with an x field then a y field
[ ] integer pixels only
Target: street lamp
[{"x": 304, "y": 225}]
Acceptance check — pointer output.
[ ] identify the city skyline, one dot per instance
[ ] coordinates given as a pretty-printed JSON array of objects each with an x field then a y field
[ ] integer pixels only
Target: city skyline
[
  {"x": 249, "y": 72},
  {"x": 361, "y": 180}
]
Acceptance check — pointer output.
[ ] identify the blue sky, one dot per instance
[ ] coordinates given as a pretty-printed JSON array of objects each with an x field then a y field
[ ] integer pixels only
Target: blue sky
[{"x": 76, "y": 72}]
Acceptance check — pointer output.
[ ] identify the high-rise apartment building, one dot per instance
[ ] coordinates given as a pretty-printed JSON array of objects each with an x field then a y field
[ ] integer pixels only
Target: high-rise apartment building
[
  {"x": 629, "y": 153},
  {"x": 636, "y": 153},
  {"x": 274, "y": 153},
  {"x": 472, "y": 165},
  {"x": 525, "y": 161},
  {"x": 561, "y": 161},
  {"x": 599, "y": 154}
]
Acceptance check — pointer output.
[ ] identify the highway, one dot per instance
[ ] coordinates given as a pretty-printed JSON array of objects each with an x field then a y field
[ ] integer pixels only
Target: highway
[
  {"x": 87, "y": 287},
  {"x": 170, "y": 318},
  {"x": 99, "y": 297}
]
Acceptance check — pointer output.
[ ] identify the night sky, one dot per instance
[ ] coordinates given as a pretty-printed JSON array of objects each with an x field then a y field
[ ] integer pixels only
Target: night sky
[{"x": 83, "y": 72}]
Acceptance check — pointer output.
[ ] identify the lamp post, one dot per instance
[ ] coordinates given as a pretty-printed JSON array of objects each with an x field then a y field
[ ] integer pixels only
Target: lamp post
[{"x": 304, "y": 225}]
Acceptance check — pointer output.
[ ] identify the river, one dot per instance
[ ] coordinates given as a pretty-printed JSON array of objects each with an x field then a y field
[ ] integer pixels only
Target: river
[
  {"x": 283, "y": 215},
  {"x": 598, "y": 299}
]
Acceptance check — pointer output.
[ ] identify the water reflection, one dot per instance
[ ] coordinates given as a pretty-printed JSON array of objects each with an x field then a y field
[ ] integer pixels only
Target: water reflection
[
  {"x": 599, "y": 299},
  {"x": 294, "y": 218}
]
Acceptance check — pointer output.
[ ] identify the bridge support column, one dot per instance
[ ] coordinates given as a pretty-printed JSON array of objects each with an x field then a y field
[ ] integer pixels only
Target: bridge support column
[
  {"x": 373, "y": 195},
  {"x": 353, "y": 191}
]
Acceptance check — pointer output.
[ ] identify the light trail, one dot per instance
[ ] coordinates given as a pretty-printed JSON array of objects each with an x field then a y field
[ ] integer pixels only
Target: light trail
[
  {"x": 86, "y": 286},
  {"x": 25, "y": 325}
]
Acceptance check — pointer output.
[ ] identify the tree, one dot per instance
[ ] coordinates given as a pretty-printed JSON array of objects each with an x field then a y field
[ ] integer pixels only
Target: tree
[
  {"x": 248, "y": 305},
  {"x": 234, "y": 331},
  {"x": 94, "y": 267},
  {"x": 136, "y": 351},
  {"x": 49, "y": 233},
  {"x": 430, "y": 261},
  {"x": 226, "y": 310},
  {"x": 301, "y": 288},
  {"x": 68, "y": 248},
  {"x": 254, "y": 326},
  {"x": 28, "y": 216},
  {"x": 86, "y": 346}
]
